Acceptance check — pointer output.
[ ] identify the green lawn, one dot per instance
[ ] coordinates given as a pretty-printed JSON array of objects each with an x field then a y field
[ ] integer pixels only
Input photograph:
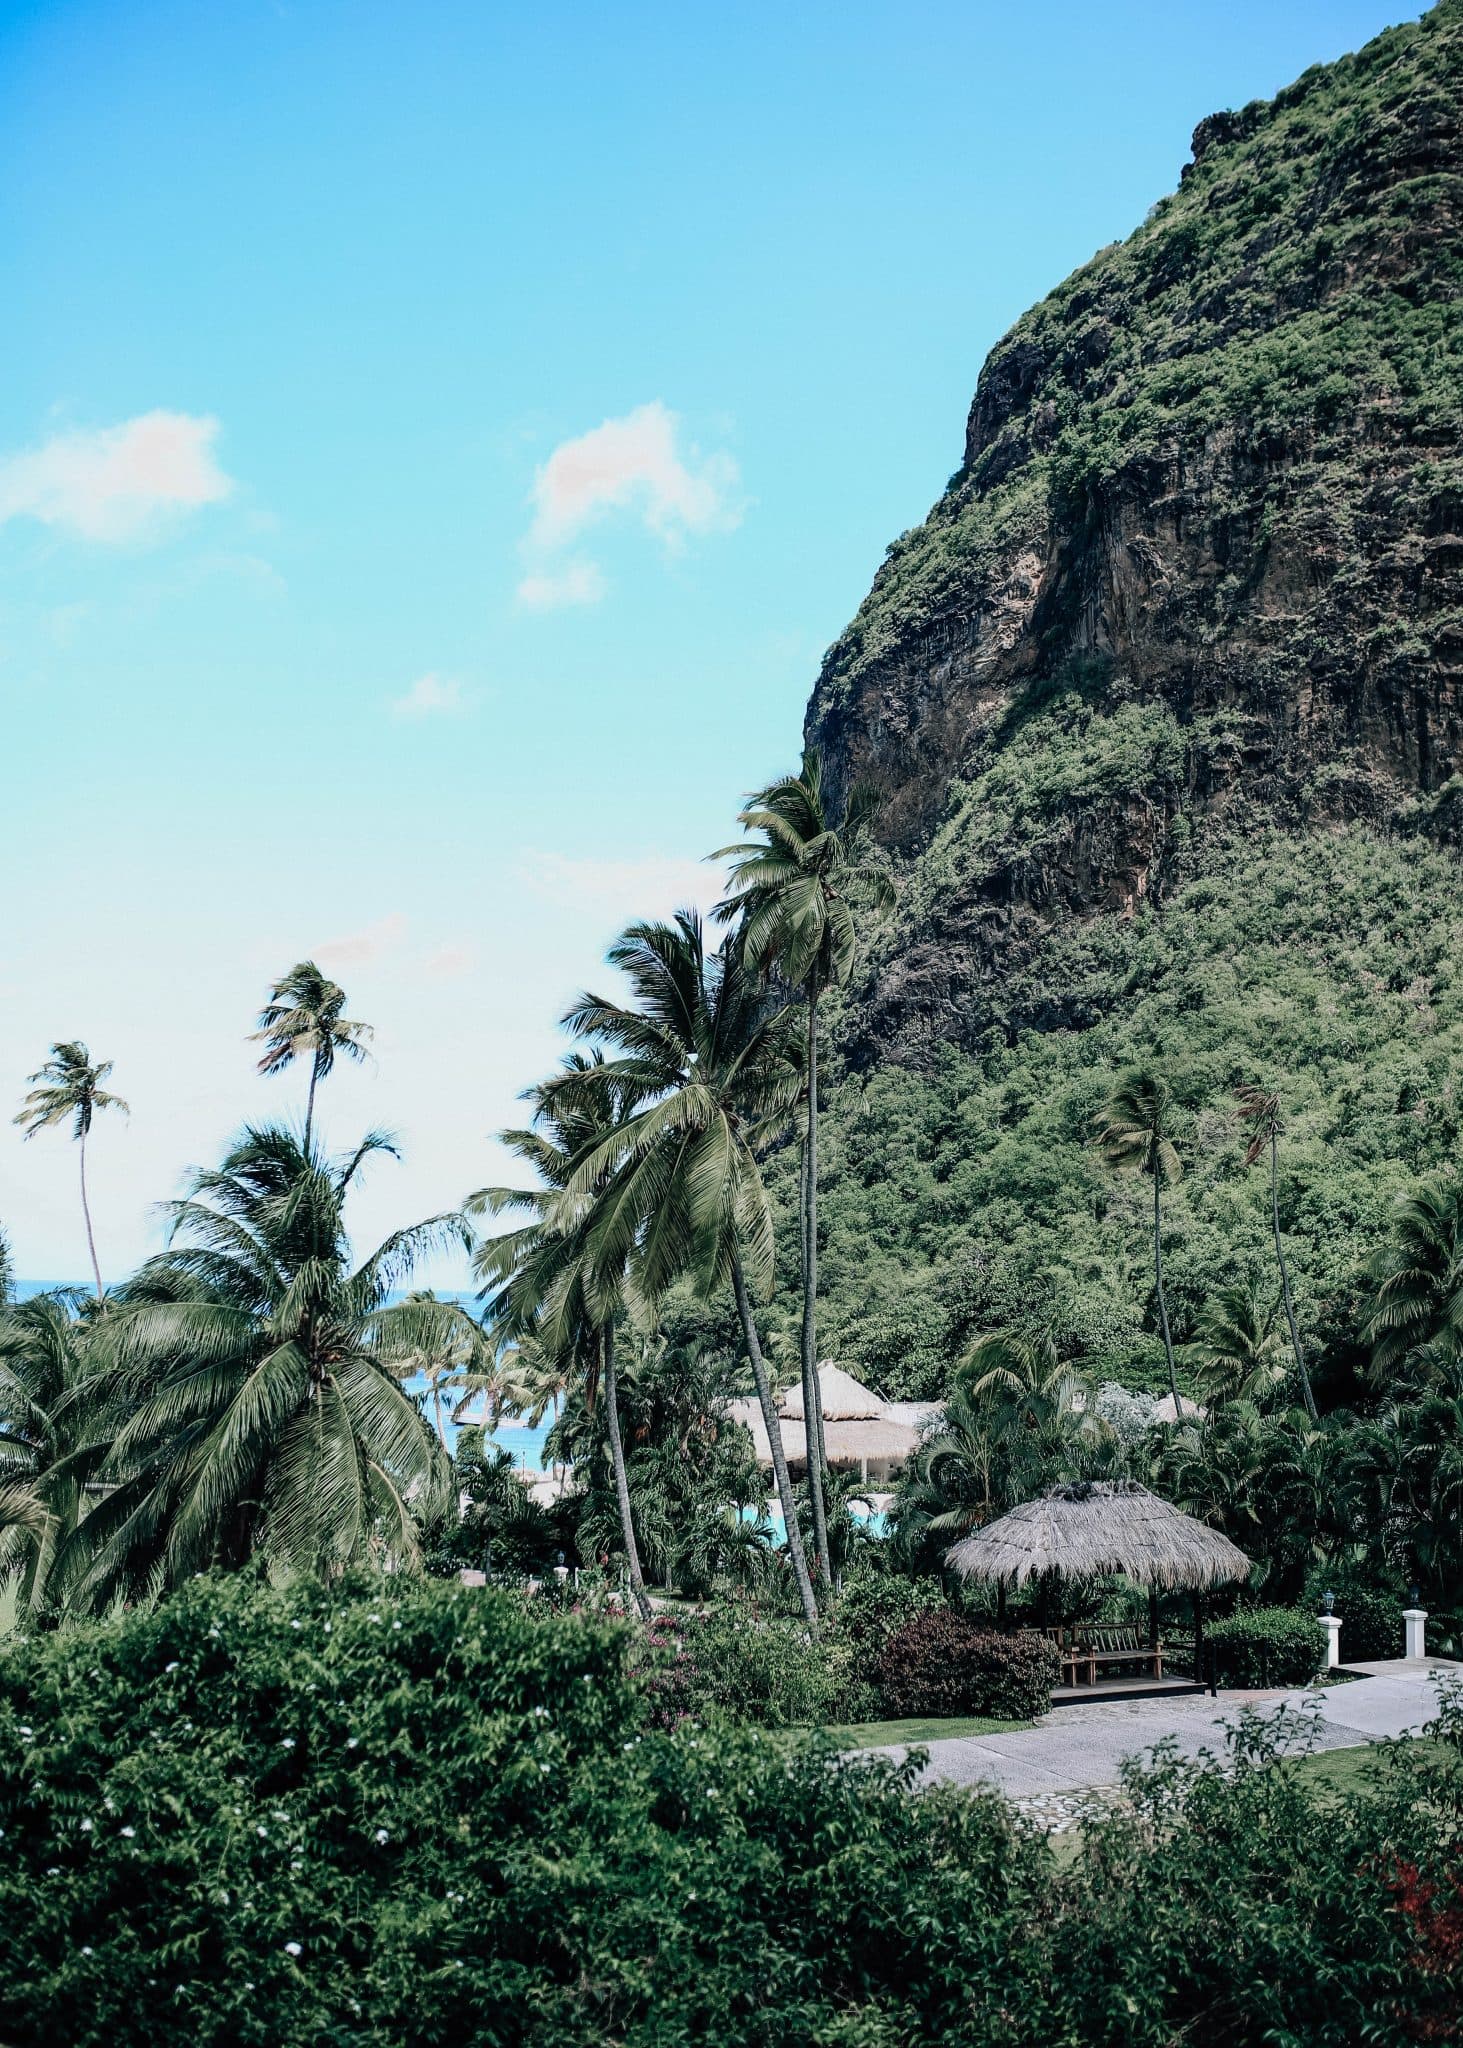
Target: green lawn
[
  {"x": 878, "y": 1734},
  {"x": 1334, "y": 1773}
]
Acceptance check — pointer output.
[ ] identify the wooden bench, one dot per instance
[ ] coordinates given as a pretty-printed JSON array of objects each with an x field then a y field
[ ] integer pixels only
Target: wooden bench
[
  {"x": 1077, "y": 1664},
  {"x": 1123, "y": 1646}
]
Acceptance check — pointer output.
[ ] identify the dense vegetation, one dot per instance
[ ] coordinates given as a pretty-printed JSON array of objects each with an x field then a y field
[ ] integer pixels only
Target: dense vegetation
[{"x": 408, "y": 1813}]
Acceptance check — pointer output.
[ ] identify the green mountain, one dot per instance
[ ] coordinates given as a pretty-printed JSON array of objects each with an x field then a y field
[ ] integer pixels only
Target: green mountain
[{"x": 1164, "y": 704}]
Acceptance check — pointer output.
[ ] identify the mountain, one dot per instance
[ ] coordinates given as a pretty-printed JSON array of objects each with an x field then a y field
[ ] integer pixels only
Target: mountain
[{"x": 1163, "y": 704}]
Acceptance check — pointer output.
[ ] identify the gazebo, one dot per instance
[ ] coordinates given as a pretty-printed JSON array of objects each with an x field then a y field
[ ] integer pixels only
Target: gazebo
[{"x": 1092, "y": 1528}]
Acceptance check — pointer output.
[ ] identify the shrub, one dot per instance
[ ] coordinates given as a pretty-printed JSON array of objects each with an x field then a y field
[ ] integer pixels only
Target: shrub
[
  {"x": 938, "y": 1663},
  {"x": 1266, "y": 1646},
  {"x": 875, "y": 1605},
  {"x": 732, "y": 1660}
]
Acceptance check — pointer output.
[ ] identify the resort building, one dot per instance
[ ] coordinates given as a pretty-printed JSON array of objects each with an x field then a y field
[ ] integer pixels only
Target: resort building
[{"x": 863, "y": 1433}]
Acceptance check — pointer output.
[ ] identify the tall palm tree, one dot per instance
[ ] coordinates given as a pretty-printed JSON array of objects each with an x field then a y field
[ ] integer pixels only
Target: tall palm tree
[
  {"x": 796, "y": 892},
  {"x": 248, "y": 1375},
  {"x": 546, "y": 1291},
  {"x": 675, "y": 1190},
  {"x": 304, "y": 1016},
  {"x": 459, "y": 1362},
  {"x": 1132, "y": 1130},
  {"x": 1416, "y": 1281},
  {"x": 1261, "y": 1112},
  {"x": 70, "y": 1085}
]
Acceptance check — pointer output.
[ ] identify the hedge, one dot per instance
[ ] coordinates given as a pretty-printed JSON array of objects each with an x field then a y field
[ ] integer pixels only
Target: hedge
[
  {"x": 1263, "y": 1646},
  {"x": 939, "y": 1663}
]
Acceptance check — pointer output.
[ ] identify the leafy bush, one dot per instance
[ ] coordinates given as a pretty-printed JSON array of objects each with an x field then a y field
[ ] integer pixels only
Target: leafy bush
[
  {"x": 393, "y": 1816},
  {"x": 939, "y": 1664},
  {"x": 875, "y": 1605},
  {"x": 733, "y": 1660},
  {"x": 1266, "y": 1646}
]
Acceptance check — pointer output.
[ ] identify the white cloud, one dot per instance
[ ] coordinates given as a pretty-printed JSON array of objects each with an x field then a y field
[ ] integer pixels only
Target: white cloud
[
  {"x": 114, "y": 483},
  {"x": 649, "y": 886},
  {"x": 575, "y": 583},
  {"x": 428, "y": 695},
  {"x": 448, "y": 962},
  {"x": 636, "y": 465},
  {"x": 369, "y": 944}
]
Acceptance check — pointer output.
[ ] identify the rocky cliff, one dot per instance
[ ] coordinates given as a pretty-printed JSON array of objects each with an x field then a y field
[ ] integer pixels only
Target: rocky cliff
[{"x": 1200, "y": 570}]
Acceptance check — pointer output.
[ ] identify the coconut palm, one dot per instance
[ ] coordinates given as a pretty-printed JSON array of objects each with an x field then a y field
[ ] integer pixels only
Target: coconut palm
[
  {"x": 1415, "y": 1313},
  {"x": 1132, "y": 1130},
  {"x": 675, "y": 1190},
  {"x": 1240, "y": 1349},
  {"x": 248, "y": 1375},
  {"x": 48, "y": 1446},
  {"x": 545, "y": 1290},
  {"x": 1261, "y": 1112},
  {"x": 460, "y": 1364},
  {"x": 797, "y": 892},
  {"x": 69, "y": 1086},
  {"x": 304, "y": 1017}
]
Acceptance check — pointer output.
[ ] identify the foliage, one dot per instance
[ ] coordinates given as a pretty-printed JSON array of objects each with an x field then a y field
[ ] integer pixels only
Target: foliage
[
  {"x": 732, "y": 1659},
  {"x": 1266, "y": 1646},
  {"x": 406, "y": 1813},
  {"x": 939, "y": 1663}
]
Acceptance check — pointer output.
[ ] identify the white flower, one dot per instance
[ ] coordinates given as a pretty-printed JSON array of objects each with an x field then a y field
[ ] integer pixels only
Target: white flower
[
  {"x": 86, "y": 1827},
  {"x": 294, "y": 1624},
  {"x": 396, "y": 1624},
  {"x": 54, "y": 1871},
  {"x": 263, "y": 1833},
  {"x": 86, "y": 1951},
  {"x": 171, "y": 1667},
  {"x": 351, "y": 1743},
  {"x": 25, "y": 1731},
  {"x": 373, "y": 1617},
  {"x": 129, "y": 1832},
  {"x": 382, "y": 1835},
  {"x": 292, "y": 1948},
  {"x": 288, "y": 1743}
]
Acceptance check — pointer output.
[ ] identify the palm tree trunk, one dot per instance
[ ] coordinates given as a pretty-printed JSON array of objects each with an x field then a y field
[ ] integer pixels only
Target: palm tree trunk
[
  {"x": 437, "y": 1408},
  {"x": 310, "y": 1103},
  {"x": 622, "y": 1483},
  {"x": 1173, "y": 1378},
  {"x": 91, "y": 1243},
  {"x": 1300, "y": 1363},
  {"x": 812, "y": 1392},
  {"x": 774, "y": 1439}
]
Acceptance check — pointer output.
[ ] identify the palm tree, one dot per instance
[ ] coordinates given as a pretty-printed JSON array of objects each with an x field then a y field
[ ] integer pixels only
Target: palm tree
[
  {"x": 1132, "y": 1130},
  {"x": 248, "y": 1376},
  {"x": 1261, "y": 1112},
  {"x": 796, "y": 894},
  {"x": 303, "y": 1015},
  {"x": 1417, "y": 1280},
  {"x": 549, "y": 1293},
  {"x": 70, "y": 1085},
  {"x": 675, "y": 1190},
  {"x": 461, "y": 1362},
  {"x": 1239, "y": 1345},
  {"x": 48, "y": 1447}
]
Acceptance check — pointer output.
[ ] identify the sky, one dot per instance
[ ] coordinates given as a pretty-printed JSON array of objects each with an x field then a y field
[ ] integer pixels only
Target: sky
[{"x": 437, "y": 444}]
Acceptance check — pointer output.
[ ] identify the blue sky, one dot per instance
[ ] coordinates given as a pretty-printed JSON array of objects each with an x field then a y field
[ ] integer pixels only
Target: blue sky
[{"x": 437, "y": 444}]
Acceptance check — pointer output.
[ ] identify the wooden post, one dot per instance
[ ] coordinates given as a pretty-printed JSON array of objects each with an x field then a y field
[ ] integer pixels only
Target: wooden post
[{"x": 1153, "y": 1617}]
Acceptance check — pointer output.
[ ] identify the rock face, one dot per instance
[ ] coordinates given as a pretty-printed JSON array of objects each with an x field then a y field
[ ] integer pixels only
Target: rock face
[{"x": 1202, "y": 565}]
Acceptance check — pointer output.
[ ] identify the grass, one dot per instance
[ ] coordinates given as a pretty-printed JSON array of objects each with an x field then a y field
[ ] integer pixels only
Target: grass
[
  {"x": 1333, "y": 1774},
  {"x": 881, "y": 1734}
]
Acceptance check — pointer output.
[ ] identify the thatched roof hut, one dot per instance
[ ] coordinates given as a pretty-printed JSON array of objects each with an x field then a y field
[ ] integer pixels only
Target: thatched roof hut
[{"x": 1094, "y": 1527}]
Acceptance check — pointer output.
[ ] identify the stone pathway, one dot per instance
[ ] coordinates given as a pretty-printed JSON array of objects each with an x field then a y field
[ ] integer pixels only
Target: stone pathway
[{"x": 1052, "y": 1771}]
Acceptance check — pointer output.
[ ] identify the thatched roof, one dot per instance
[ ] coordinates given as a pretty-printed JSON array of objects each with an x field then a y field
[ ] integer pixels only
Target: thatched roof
[
  {"x": 1095, "y": 1527},
  {"x": 845, "y": 1399},
  {"x": 876, "y": 1436}
]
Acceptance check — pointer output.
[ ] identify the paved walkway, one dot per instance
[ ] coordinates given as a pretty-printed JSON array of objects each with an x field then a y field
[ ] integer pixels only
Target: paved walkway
[{"x": 1080, "y": 1750}]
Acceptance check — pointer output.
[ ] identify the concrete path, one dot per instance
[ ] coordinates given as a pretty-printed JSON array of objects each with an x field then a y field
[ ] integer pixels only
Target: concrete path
[{"x": 1081, "y": 1749}]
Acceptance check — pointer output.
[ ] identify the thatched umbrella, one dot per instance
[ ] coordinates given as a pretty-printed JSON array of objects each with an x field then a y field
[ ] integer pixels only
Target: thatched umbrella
[{"x": 1092, "y": 1527}]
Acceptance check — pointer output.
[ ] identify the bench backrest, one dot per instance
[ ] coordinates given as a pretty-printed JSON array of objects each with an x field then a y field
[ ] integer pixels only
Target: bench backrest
[{"x": 1117, "y": 1639}]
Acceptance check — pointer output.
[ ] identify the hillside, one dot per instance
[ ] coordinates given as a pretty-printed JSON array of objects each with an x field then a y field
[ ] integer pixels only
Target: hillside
[{"x": 1162, "y": 702}]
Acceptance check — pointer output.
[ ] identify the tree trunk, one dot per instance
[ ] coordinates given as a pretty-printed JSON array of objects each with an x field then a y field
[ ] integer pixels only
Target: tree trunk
[
  {"x": 1300, "y": 1363},
  {"x": 774, "y": 1439},
  {"x": 622, "y": 1483},
  {"x": 1173, "y": 1378},
  {"x": 812, "y": 1392},
  {"x": 91, "y": 1243},
  {"x": 437, "y": 1408},
  {"x": 310, "y": 1104}
]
